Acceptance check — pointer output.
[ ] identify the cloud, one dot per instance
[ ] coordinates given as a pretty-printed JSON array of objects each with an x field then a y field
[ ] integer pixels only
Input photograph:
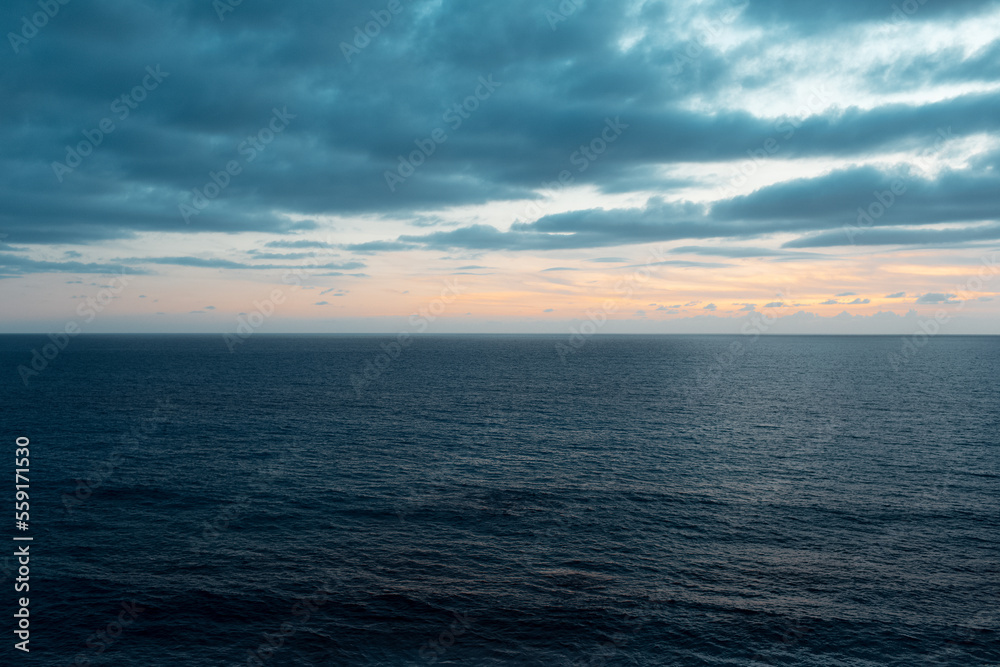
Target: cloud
[
  {"x": 558, "y": 90},
  {"x": 216, "y": 263},
  {"x": 297, "y": 244},
  {"x": 825, "y": 209},
  {"x": 937, "y": 298},
  {"x": 859, "y": 302},
  {"x": 847, "y": 294},
  {"x": 379, "y": 246},
  {"x": 710, "y": 306},
  {"x": 19, "y": 265},
  {"x": 883, "y": 236},
  {"x": 897, "y": 295},
  {"x": 830, "y": 302},
  {"x": 281, "y": 256},
  {"x": 735, "y": 252}
]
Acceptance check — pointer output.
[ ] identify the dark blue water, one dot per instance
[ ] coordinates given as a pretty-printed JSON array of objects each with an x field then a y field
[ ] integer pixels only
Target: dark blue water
[{"x": 651, "y": 501}]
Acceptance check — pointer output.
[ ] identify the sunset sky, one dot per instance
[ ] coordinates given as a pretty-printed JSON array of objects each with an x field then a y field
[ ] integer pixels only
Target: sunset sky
[{"x": 665, "y": 166}]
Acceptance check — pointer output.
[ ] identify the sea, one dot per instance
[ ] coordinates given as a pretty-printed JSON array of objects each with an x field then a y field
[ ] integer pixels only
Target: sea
[{"x": 505, "y": 500}]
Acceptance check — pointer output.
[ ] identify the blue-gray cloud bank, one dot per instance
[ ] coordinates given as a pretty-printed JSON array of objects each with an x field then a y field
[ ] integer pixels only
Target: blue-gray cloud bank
[{"x": 198, "y": 116}]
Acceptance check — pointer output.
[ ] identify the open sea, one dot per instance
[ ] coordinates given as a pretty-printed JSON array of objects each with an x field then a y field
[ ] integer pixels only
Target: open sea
[{"x": 496, "y": 500}]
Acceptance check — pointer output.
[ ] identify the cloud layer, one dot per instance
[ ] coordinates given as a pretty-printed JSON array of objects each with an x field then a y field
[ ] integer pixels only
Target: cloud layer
[{"x": 329, "y": 135}]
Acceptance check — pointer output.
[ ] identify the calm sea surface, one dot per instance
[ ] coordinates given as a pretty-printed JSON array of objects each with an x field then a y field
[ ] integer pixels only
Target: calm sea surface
[{"x": 687, "y": 500}]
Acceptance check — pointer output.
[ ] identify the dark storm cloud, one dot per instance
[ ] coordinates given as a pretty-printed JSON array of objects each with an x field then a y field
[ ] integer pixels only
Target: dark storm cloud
[{"x": 349, "y": 118}]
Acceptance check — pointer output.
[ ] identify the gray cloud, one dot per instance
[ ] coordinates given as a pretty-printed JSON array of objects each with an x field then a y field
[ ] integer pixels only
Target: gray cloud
[
  {"x": 298, "y": 244},
  {"x": 16, "y": 265},
  {"x": 228, "y": 264},
  {"x": 937, "y": 297}
]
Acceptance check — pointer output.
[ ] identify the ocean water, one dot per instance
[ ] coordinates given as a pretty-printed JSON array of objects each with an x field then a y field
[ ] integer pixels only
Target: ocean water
[{"x": 677, "y": 500}]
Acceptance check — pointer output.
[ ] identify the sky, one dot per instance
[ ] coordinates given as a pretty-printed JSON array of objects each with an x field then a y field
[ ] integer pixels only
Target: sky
[{"x": 446, "y": 166}]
